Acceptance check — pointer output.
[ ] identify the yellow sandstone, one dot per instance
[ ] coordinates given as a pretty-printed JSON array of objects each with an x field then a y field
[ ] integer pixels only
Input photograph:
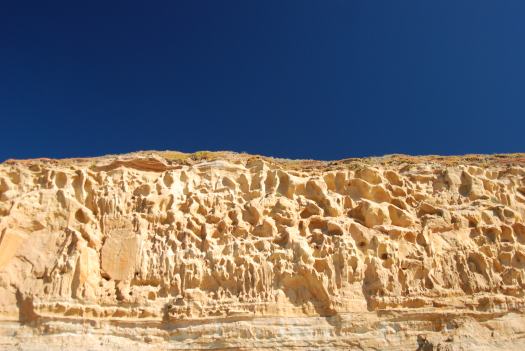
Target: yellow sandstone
[{"x": 163, "y": 250}]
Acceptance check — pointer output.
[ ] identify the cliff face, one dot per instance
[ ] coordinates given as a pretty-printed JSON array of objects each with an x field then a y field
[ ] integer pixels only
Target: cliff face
[{"x": 236, "y": 251}]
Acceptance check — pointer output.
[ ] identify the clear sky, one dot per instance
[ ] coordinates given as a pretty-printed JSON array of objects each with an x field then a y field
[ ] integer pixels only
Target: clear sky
[{"x": 323, "y": 79}]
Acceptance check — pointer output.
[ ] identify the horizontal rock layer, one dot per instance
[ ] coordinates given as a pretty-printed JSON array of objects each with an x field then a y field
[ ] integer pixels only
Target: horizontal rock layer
[{"x": 237, "y": 251}]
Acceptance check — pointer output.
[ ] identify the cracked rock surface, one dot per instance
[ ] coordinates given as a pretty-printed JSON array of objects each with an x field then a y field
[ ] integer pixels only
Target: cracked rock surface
[{"x": 234, "y": 251}]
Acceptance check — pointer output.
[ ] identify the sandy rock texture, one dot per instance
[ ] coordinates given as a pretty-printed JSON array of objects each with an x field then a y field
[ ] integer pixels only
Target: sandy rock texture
[{"x": 160, "y": 251}]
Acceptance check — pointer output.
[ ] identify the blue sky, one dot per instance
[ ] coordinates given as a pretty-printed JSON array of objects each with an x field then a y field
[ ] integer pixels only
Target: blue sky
[{"x": 298, "y": 79}]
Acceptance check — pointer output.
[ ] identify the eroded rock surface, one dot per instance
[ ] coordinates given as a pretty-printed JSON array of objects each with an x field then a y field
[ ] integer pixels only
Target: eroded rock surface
[{"x": 250, "y": 252}]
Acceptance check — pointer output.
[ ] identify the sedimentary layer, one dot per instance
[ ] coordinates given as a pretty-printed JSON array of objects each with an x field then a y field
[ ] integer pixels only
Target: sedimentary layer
[{"x": 227, "y": 251}]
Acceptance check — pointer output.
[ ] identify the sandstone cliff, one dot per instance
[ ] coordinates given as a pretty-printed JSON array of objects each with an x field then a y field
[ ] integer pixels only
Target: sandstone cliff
[{"x": 223, "y": 251}]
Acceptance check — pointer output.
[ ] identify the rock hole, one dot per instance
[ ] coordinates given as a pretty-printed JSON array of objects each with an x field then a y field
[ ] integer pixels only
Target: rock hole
[
  {"x": 168, "y": 180},
  {"x": 81, "y": 216},
  {"x": 61, "y": 180}
]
